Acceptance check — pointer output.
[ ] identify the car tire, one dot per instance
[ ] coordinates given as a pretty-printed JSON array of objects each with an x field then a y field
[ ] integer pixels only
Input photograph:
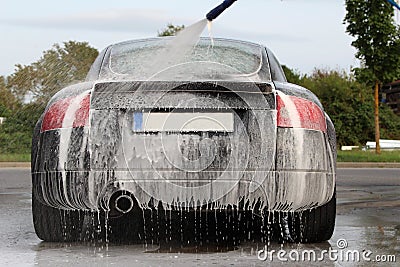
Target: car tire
[
  {"x": 55, "y": 225},
  {"x": 314, "y": 225},
  {"x": 51, "y": 224}
]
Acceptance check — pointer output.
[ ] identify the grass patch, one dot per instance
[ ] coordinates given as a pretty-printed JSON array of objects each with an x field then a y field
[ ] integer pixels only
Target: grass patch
[
  {"x": 343, "y": 156},
  {"x": 368, "y": 156},
  {"x": 15, "y": 157}
]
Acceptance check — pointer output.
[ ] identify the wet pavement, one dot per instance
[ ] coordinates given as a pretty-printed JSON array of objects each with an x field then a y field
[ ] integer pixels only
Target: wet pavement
[{"x": 367, "y": 225}]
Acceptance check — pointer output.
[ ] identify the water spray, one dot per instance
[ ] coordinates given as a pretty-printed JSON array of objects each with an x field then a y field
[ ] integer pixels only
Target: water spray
[{"x": 213, "y": 14}]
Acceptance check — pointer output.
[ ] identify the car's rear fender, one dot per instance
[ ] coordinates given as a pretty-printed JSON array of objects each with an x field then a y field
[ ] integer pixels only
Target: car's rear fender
[
  {"x": 60, "y": 158},
  {"x": 305, "y": 145}
]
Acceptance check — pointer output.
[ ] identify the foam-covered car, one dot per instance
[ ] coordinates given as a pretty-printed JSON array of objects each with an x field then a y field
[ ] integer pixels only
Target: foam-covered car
[{"x": 164, "y": 138}]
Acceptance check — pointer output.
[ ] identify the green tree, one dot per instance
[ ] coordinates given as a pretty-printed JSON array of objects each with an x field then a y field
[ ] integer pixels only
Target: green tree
[
  {"x": 292, "y": 76},
  {"x": 8, "y": 101},
  {"x": 57, "y": 68},
  {"x": 16, "y": 132},
  {"x": 170, "y": 30},
  {"x": 377, "y": 41},
  {"x": 347, "y": 102}
]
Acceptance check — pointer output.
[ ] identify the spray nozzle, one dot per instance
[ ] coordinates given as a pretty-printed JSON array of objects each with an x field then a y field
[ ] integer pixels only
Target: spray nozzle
[{"x": 213, "y": 14}]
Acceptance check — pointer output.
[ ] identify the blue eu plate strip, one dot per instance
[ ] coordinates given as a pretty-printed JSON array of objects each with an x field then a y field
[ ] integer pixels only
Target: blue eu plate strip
[{"x": 137, "y": 121}]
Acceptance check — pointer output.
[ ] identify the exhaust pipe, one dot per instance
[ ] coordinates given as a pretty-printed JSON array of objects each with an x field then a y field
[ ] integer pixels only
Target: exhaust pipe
[
  {"x": 124, "y": 204},
  {"x": 120, "y": 203}
]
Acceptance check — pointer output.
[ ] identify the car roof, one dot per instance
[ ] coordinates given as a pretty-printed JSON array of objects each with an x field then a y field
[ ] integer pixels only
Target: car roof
[{"x": 225, "y": 40}]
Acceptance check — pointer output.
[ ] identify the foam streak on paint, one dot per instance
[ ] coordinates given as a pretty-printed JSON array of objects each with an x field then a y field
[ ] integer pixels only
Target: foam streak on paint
[{"x": 65, "y": 138}]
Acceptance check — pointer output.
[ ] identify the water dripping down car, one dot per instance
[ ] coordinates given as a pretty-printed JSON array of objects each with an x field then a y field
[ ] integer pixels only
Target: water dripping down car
[{"x": 206, "y": 143}]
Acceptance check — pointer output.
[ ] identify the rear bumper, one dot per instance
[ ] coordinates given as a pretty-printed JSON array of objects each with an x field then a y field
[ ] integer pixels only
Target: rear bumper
[{"x": 276, "y": 190}]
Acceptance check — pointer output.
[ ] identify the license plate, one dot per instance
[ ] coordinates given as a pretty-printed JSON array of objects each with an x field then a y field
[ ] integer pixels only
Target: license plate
[{"x": 182, "y": 122}]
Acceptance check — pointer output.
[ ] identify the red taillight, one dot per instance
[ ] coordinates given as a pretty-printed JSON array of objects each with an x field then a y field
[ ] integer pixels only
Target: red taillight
[
  {"x": 296, "y": 112},
  {"x": 70, "y": 112}
]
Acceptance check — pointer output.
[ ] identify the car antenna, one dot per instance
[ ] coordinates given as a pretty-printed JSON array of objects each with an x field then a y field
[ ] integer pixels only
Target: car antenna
[{"x": 213, "y": 14}]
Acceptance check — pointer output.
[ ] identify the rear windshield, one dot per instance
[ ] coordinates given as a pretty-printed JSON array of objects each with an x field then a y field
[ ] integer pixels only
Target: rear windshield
[{"x": 163, "y": 59}]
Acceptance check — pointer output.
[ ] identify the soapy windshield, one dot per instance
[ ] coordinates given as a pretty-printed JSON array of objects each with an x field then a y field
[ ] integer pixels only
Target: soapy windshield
[{"x": 162, "y": 59}]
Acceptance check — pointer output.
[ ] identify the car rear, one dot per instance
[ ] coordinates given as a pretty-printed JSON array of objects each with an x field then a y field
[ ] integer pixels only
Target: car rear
[{"x": 198, "y": 134}]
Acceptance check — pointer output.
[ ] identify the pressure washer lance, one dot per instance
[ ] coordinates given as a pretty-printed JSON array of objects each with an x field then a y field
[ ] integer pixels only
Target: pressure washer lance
[{"x": 213, "y": 14}]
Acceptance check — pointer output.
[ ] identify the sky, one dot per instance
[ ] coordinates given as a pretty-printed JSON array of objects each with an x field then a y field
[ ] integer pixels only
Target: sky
[{"x": 303, "y": 34}]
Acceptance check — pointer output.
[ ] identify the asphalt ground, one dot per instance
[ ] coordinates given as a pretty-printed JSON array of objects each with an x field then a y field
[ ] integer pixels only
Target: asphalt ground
[{"x": 368, "y": 220}]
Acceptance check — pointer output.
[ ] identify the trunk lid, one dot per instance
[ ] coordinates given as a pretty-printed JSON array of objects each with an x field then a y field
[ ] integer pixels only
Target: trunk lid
[{"x": 139, "y": 127}]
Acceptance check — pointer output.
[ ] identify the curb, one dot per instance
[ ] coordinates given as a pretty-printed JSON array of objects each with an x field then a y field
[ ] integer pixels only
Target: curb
[
  {"x": 388, "y": 165},
  {"x": 339, "y": 165},
  {"x": 15, "y": 165}
]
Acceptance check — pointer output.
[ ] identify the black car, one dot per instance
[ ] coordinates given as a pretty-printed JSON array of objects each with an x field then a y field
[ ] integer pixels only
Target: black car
[{"x": 161, "y": 140}]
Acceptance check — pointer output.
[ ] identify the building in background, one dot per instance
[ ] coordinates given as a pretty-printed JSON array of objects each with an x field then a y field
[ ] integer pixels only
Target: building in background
[{"x": 391, "y": 96}]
